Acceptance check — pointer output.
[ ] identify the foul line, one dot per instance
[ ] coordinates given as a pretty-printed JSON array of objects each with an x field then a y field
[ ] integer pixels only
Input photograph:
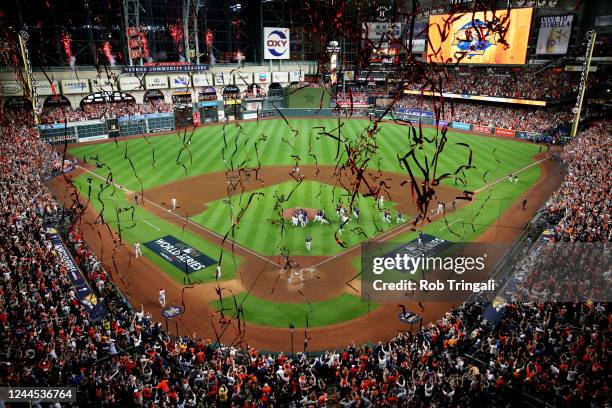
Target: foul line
[
  {"x": 186, "y": 219},
  {"x": 147, "y": 222},
  {"x": 399, "y": 230},
  {"x": 446, "y": 226}
]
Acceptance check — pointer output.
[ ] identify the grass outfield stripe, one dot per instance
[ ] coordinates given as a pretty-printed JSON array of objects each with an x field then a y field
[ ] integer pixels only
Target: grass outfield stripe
[{"x": 276, "y": 314}]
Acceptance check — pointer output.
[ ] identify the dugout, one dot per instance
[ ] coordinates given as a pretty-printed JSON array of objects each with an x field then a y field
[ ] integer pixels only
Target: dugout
[
  {"x": 183, "y": 108},
  {"x": 276, "y": 97},
  {"x": 231, "y": 102},
  {"x": 208, "y": 105}
]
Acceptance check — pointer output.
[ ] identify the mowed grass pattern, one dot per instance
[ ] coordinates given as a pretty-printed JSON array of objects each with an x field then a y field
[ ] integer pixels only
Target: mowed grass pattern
[
  {"x": 276, "y": 314},
  {"x": 162, "y": 159},
  {"x": 260, "y": 225}
]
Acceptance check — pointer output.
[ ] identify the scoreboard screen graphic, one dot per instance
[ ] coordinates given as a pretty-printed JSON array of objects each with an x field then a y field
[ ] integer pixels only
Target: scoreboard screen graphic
[{"x": 469, "y": 39}]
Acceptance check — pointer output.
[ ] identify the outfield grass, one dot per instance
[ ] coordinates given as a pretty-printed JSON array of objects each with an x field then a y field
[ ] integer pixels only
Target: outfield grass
[
  {"x": 142, "y": 226},
  {"x": 276, "y": 314},
  {"x": 260, "y": 226},
  {"x": 162, "y": 159}
]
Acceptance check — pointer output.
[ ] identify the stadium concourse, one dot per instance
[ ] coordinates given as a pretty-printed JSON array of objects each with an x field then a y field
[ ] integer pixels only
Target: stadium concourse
[{"x": 554, "y": 352}]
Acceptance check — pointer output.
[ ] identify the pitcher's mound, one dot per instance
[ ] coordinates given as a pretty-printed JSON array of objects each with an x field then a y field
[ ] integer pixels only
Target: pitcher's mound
[{"x": 311, "y": 212}]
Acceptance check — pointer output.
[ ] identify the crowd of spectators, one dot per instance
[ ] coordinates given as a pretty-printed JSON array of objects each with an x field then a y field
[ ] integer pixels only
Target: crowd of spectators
[
  {"x": 581, "y": 208},
  {"x": 529, "y": 119},
  {"x": 90, "y": 111},
  {"x": 550, "y": 84}
]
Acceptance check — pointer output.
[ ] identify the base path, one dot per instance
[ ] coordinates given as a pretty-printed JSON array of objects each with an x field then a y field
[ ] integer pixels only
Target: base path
[{"x": 141, "y": 279}]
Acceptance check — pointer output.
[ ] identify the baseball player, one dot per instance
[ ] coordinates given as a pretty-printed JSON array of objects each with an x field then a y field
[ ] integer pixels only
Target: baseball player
[
  {"x": 453, "y": 205},
  {"x": 137, "y": 250},
  {"x": 440, "y": 209},
  {"x": 321, "y": 217},
  {"x": 387, "y": 217},
  {"x": 510, "y": 176},
  {"x": 162, "y": 297},
  {"x": 294, "y": 218},
  {"x": 515, "y": 179},
  {"x": 173, "y": 203},
  {"x": 420, "y": 237},
  {"x": 399, "y": 218},
  {"x": 308, "y": 242},
  {"x": 356, "y": 212},
  {"x": 303, "y": 218},
  {"x": 341, "y": 223},
  {"x": 381, "y": 202},
  {"x": 218, "y": 272}
]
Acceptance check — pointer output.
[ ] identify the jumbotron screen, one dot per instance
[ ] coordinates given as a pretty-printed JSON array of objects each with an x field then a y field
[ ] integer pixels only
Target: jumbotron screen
[{"x": 469, "y": 39}]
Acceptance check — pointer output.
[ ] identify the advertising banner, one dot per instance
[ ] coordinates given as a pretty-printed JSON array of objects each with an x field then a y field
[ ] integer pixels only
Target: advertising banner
[
  {"x": 262, "y": 78},
  {"x": 375, "y": 31},
  {"x": 86, "y": 296},
  {"x": 473, "y": 97},
  {"x": 295, "y": 76},
  {"x": 252, "y": 106},
  {"x": 130, "y": 83},
  {"x": 75, "y": 86},
  {"x": 156, "y": 82},
  {"x": 179, "y": 254},
  {"x": 417, "y": 112},
  {"x": 504, "y": 132},
  {"x": 461, "y": 125},
  {"x": 103, "y": 85},
  {"x": 280, "y": 77},
  {"x": 243, "y": 78},
  {"x": 11, "y": 88},
  {"x": 179, "y": 81},
  {"x": 92, "y": 138},
  {"x": 207, "y": 103},
  {"x": 469, "y": 38},
  {"x": 603, "y": 21},
  {"x": 43, "y": 87},
  {"x": 481, "y": 128},
  {"x": 218, "y": 79},
  {"x": 164, "y": 68},
  {"x": 201, "y": 80},
  {"x": 554, "y": 34},
  {"x": 228, "y": 79},
  {"x": 276, "y": 43}
]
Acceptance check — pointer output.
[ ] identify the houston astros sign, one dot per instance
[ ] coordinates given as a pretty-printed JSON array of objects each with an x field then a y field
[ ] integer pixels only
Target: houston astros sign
[{"x": 276, "y": 43}]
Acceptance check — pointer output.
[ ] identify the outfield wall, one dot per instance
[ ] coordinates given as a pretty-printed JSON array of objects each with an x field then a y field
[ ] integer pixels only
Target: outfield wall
[{"x": 142, "y": 124}]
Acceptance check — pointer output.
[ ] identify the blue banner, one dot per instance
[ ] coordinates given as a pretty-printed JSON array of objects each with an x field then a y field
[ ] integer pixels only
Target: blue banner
[
  {"x": 86, "y": 296},
  {"x": 207, "y": 103},
  {"x": 461, "y": 125},
  {"x": 179, "y": 254},
  {"x": 416, "y": 112}
]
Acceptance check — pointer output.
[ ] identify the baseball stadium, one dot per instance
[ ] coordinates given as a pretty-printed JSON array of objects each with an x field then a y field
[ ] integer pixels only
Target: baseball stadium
[{"x": 280, "y": 203}]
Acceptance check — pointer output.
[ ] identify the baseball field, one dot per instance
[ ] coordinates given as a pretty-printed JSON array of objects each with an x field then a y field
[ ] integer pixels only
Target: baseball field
[{"x": 235, "y": 186}]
